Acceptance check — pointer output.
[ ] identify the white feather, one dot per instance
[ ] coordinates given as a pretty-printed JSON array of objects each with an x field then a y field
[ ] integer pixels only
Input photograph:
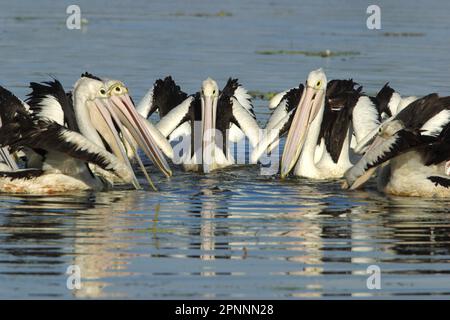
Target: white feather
[
  {"x": 114, "y": 164},
  {"x": 276, "y": 99},
  {"x": 235, "y": 134},
  {"x": 183, "y": 130},
  {"x": 45, "y": 184},
  {"x": 51, "y": 109},
  {"x": 279, "y": 113},
  {"x": 364, "y": 118},
  {"x": 269, "y": 138},
  {"x": 144, "y": 106},
  {"x": 246, "y": 122},
  {"x": 405, "y": 102},
  {"x": 394, "y": 103},
  {"x": 243, "y": 97},
  {"x": 435, "y": 124},
  {"x": 319, "y": 151},
  {"x": 171, "y": 120}
]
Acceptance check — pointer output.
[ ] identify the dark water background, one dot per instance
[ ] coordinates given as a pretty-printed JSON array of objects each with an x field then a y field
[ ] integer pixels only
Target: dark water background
[{"x": 234, "y": 233}]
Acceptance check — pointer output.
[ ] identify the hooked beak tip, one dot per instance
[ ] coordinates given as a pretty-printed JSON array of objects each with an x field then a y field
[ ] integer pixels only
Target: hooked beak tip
[{"x": 284, "y": 173}]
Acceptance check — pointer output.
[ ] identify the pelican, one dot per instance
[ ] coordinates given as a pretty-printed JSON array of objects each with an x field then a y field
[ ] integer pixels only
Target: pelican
[
  {"x": 389, "y": 103},
  {"x": 65, "y": 154},
  {"x": 102, "y": 111},
  {"x": 320, "y": 119},
  {"x": 207, "y": 121},
  {"x": 414, "y": 149}
]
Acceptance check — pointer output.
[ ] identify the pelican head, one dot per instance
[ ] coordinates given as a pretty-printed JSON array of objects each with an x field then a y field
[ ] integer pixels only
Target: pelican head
[
  {"x": 106, "y": 118},
  {"x": 380, "y": 150},
  {"x": 126, "y": 113},
  {"x": 309, "y": 107},
  {"x": 209, "y": 97}
]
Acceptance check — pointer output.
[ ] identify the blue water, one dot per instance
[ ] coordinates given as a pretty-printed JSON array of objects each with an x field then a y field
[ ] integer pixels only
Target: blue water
[{"x": 233, "y": 233}]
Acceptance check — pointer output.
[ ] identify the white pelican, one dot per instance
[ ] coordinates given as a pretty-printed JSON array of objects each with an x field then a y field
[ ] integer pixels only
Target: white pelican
[
  {"x": 102, "y": 111},
  {"x": 319, "y": 119},
  {"x": 207, "y": 121},
  {"x": 389, "y": 103},
  {"x": 65, "y": 154},
  {"x": 416, "y": 142}
]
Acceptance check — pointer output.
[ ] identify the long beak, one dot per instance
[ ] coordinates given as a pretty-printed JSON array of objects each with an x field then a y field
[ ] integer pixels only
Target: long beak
[
  {"x": 208, "y": 133},
  {"x": 360, "y": 181},
  {"x": 103, "y": 123},
  {"x": 8, "y": 159},
  {"x": 131, "y": 144},
  {"x": 310, "y": 104},
  {"x": 365, "y": 142},
  {"x": 6, "y": 156},
  {"x": 355, "y": 182},
  {"x": 125, "y": 110}
]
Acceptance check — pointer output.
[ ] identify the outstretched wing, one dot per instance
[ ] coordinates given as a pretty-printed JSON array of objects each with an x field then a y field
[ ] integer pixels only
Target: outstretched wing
[
  {"x": 49, "y": 100},
  {"x": 286, "y": 104},
  {"x": 272, "y": 136},
  {"x": 10, "y": 106},
  {"x": 382, "y": 99},
  {"x": 23, "y": 129},
  {"x": 279, "y": 122},
  {"x": 163, "y": 96},
  {"x": 425, "y": 127},
  {"x": 177, "y": 116},
  {"x": 235, "y": 113}
]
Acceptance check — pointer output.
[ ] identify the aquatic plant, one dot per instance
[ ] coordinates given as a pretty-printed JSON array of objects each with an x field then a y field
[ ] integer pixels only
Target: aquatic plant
[
  {"x": 221, "y": 13},
  {"x": 323, "y": 54},
  {"x": 262, "y": 95},
  {"x": 403, "y": 34}
]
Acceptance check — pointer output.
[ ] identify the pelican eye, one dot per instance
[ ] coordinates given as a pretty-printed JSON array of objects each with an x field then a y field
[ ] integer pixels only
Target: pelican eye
[
  {"x": 102, "y": 91},
  {"x": 118, "y": 89},
  {"x": 318, "y": 84}
]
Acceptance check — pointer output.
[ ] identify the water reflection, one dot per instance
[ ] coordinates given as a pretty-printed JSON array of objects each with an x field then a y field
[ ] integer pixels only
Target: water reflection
[
  {"x": 33, "y": 225},
  {"x": 420, "y": 226},
  {"x": 98, "y": 244},
  {"x": 87, "y": 231},
  {"x": 322, "y": 242},
  {"x": 209, "y": 207}
]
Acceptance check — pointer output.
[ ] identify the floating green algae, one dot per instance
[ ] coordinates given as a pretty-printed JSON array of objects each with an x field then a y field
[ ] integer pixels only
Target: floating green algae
[
  {"x": 403, "y": 34},
  {"x": 221, "y": 13},
  {"x": 262, "y": 95},
  {"x": 26, "y": 18}
]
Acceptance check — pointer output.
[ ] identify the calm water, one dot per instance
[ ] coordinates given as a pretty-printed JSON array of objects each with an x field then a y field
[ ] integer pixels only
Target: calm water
[{"x": 231, "y": 234}]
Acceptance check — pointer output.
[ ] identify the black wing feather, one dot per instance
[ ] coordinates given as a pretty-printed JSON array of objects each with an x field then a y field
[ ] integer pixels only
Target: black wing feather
[
  {"x": 91, "y": 76},
  {"x": 53, "y": 88},
  {"x": 166, "y": 96},
  {"x": 382, "y": 99},
  {"x": 340, "y": 99},
  {"x": 22, "y": 129}
]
